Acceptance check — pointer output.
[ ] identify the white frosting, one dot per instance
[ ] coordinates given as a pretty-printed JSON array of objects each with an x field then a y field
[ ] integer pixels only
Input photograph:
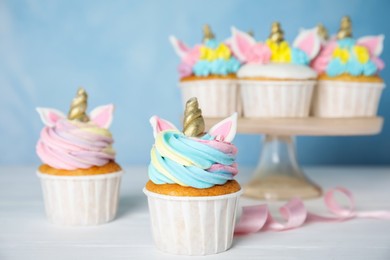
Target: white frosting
[{"x": 277, "y": 71}]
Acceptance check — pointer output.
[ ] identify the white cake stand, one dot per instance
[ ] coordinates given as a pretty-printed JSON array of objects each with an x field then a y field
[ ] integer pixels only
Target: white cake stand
[{"x": 278, "y": 175}]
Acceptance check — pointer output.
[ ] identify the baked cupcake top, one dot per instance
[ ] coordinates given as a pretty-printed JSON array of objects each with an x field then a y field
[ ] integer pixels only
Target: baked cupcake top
[
  {"x": 275, "y": 58},
  {"x": 342, "y": 54},
  {"x": 193, "y": 158},
  {"x": 77, "y": 141},
  {"x": 210, "y": 58}
]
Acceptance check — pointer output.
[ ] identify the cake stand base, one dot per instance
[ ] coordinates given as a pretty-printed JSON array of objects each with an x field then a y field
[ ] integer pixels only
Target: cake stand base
[{"x": 278, "y": 175}]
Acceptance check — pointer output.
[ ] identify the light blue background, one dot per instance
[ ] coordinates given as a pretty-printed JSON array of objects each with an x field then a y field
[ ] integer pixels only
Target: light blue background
[{"x": 119, "y": 51}]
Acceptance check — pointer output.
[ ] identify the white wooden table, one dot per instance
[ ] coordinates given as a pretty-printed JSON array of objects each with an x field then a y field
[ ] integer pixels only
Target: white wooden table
[{"x": 26, "y": 234}]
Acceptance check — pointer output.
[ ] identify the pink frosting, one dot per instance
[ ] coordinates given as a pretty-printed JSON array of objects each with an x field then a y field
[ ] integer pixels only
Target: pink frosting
[
  {"x": 320, "y": 63},
  {"x": 258, "y": 53},
  {"x": 185, "y": 70},
  {"x": 72, "y": 145},
  {"x": 192, "y": 56},
  {"x": 226, "y": 148}
]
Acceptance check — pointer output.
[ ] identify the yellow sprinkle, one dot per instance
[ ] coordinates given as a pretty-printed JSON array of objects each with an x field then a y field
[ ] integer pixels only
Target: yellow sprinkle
[
  {"x": 280, "y": 52},
  {"x": 203, "y": 52},
  {"x": 362, "y": 54},
  {"x": 223, "y": 52},
  {"x": 342, "y": 54}
]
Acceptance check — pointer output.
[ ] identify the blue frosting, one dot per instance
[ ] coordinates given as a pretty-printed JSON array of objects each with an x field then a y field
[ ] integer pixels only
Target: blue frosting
[
  {"x": 299, "y": 57},
  {"x": 346, "y": 43},
  {"x": 335, "y": 68},
  {"x": 220, "y": 67},
  {"x": 202, "y": 157},
  {"x": 352, "y": 67},
  {"x": 212, "y": 43},
  {"x": 370, "y": 68}
]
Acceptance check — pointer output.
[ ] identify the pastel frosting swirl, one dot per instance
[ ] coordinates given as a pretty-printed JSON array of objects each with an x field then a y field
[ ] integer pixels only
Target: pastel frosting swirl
[
  {"x": 210, "y": 58},
  {"x": 196, "y": 162},
  {"x": 73, "y": 145},
  {"x": 347, "y": 56}
]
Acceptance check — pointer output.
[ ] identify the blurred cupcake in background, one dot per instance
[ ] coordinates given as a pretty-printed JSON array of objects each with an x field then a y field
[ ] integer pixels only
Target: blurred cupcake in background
[
  {"x": 208, "y": 71},
  {"x": 275, "y": 78},
  {"x": 349, "y": 84},
  {"x": 79, "y": 176}
]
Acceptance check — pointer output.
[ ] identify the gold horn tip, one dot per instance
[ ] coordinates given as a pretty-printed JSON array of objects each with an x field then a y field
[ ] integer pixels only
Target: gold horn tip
[{"x": 193, "y": 123}]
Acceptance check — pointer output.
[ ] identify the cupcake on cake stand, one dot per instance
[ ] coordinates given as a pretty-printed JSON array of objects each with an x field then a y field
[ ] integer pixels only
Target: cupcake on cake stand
[{"x": 278, "y": 175}]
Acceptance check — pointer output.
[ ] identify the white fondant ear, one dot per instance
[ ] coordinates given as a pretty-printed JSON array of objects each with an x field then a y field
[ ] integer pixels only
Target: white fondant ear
[
  {"x": 180, "y": 48},
  {"x": 308, "y": 41},
  {"x": 159, "y": 125},
  {"x": 241, "y": 43},
  {"x": 373, "y": 43},
  {"x": 50, "y": 116},
  {"x": 102, "y": 115},
  {"x": 226, "y": 129}
]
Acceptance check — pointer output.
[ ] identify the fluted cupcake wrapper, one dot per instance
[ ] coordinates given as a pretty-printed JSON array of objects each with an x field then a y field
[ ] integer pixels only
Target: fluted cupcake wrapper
[
  {"x": 81, "y": 200},
  {"x": 217, "y": 97},
  {"x": 276, "y": 98},
  {"x": 346, "y": 99},
  {"x": 193, "y": 225}
]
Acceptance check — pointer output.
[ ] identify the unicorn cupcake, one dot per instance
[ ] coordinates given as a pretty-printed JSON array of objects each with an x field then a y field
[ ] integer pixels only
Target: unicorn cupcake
[
  {"x": 208, "y": 71},
  {"x": 349, "y": 84},
  {"x": 80, "y": 178},
  {"x": 275, "y": 79},
  {"x": 192, "y": 186}
]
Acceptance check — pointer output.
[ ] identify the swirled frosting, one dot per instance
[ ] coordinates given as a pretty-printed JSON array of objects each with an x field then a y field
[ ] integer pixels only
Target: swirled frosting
[
  {"x": 196, "y": 162},
  {"x": 71, "y": 145},
  {"x": 347, "y": 56}
]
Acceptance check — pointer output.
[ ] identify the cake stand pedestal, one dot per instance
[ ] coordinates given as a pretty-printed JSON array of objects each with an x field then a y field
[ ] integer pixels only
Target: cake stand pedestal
[{"x": 278, "y": 175}]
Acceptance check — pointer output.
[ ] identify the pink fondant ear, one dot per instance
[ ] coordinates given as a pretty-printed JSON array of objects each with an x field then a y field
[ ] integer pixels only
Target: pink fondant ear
[
  {"x": 241, "y": 44},
  {"x": 308, "y": 41},
  {"x": 180, "y": 48},
  {"x": 373, "y": 43},
  {"x": 102, "y": 116},
  {"x": 225, "y": 130},
  {"x": 378, "y": 62},
  {"x": 159, "y": 125},
  {"x": 50, "y": 116}
]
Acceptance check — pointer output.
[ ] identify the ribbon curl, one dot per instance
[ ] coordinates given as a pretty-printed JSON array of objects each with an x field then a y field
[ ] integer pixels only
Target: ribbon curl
[{"x": 257, "y": 217}]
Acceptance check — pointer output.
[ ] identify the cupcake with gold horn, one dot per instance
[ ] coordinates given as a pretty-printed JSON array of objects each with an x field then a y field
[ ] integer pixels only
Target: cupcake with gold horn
[
  {"x": 208, "y": 71},
  {"x": 349, "y": 84},
  {"x": 275, "y": 79},
  {"x": 191, "y": 184},
  {"x": 79, "y": 176}
]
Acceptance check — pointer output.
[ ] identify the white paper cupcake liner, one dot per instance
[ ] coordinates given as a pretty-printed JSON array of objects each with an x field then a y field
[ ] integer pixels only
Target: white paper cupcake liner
[
  {"x": 81, "y": 200},
  {"x": 276, "y": 98},
  {"x": 216, "y": 97},
  {"x": 193, "y": 225},
  {"x": 346, "y": 99}
]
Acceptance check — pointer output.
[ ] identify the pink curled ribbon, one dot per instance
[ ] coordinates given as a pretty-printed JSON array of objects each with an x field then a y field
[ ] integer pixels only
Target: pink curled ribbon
[{"x": 257, "y": 217}]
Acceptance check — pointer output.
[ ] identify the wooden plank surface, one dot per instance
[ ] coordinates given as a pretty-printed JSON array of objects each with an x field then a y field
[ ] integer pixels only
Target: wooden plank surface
[
  {"x": 26, "y": 234},
  {"x": 306, "y": 126}
]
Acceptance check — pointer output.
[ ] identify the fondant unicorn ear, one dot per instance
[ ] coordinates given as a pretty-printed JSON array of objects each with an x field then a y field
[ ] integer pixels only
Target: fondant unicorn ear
[
  {"x": 180, "y": 48},
  {"x": 159, "y": 125},
  {"x": 373, "y": 43},
  {"x": 102, "y": 115},
  {"x": 308, "y": 41},
  {"x": 50, "y": 116},
  {"x": 241, "y": 44},
  {"x": 225, "y": 130}
]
